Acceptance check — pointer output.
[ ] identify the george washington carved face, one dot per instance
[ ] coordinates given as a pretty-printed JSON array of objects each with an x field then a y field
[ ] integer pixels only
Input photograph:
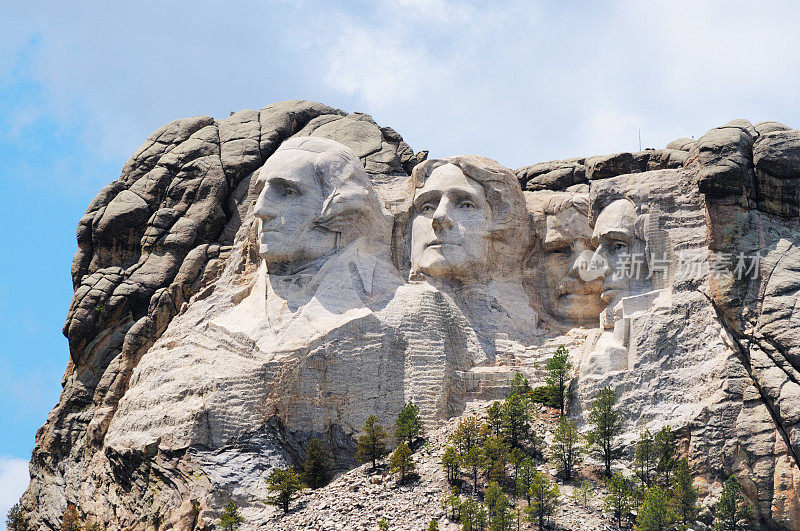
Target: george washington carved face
[
  {"x": 315, "y": 198},
  {"x": 289, "y": 204}
]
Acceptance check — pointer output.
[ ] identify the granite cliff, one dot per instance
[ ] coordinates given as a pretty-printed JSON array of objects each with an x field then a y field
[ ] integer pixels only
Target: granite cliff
[{"x": 250, "y": 283}]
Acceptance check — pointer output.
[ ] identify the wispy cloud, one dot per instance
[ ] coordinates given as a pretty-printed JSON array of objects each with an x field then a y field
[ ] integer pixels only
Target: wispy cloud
[{"x": 14, "y": 480}]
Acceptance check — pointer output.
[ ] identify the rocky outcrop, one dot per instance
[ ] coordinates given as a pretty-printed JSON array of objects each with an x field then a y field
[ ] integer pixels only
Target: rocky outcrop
[
  {"x": 150, "y": 242},
  {"x": 187, "y": 382}
]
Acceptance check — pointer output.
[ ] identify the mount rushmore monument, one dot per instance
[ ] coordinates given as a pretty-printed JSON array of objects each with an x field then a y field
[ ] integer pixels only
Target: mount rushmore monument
[{"x": 253, "y": 282}]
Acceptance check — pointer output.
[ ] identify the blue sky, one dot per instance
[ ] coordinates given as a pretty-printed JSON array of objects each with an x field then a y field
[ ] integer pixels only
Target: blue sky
[{"x": 83, "y": 84}]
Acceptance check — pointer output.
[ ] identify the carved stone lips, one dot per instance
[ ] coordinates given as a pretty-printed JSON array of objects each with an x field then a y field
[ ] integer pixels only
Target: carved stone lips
[{"x": 438, "y": 243}]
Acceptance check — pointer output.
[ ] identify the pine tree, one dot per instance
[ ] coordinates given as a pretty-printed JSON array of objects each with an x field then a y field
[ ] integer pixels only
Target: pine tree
[
  {"x": 466, "y": 435},
  {"x": 655, "y": 513},
  {"x": 684, "y": 493},
  {"x": 372, "y": 445},
  {"x": 383, "y": 524},
  {"x": 645, "y": 459},
  {"x": 566, "y": 448},
  {"x": 619, "y": 500},
  {"x": 453, "y": 502},
  {"x": 666, "y": 454},
  {"x": 494, "y": 415},
  {"x": 450, "y": 462},
  {"x": 520, "y": 385},
  {"x": 516, "y": 457},
  {"x": 582, "y": 492},
  {"x": 514, "y": 418},
  {"x": 408, "y": 425},
  {"x": 492, "y": 496},
  {"x": 316, "y": 467},
  {"x": 230, "y": 520},
  {"x": 732, "y": 512},
  {"x": 285, "y": 483},
  {"x": 402, "y": 460},
  {"x": 607, "y": 425},
  {"x": 558, "y": 374},
  {"x": 473, "y": 516},
  {"x": 15, "y": 519},
  {"x": 70, "y": 521},
  {"x": 544, "y": 499},
  {"x": 434, "y": 525},
  {"x": 495, "y": 457},
  {"x": 473, "y": 460},
  {"x": 527, "y": 471}
]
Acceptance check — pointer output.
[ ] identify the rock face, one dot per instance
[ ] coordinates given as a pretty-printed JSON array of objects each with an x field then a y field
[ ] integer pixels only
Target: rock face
[{"x": 282, "y": 274}]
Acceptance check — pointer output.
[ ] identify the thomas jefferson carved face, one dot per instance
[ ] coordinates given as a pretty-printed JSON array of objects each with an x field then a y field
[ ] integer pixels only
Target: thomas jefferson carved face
[
  {"x": 451, "y": 232},
  {"x": 287, "y": 208},
  {"x": 568, "y": 292}
]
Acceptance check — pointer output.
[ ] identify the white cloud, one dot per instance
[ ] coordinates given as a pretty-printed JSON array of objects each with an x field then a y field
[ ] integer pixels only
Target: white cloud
[
  {"x": 516, "y": 80},
  {"x": 13, "y": 482}
]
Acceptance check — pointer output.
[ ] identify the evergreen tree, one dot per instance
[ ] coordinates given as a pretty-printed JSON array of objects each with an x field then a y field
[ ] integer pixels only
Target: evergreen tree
[
  {"x": 230, "y": 520},
  {"x": 372, "y": 445},
  {"x": 566, "y": 448},
  {"x": 666, "y": 454},
  {"x": 453, "y": 502},
  {"x": 645, "y": 459},
  {"x": 582, "y": 492},
  {"x": 558, "y": 374},
  {"x": 494, "y": 415},
  {"x": 402, "y": 461},
  {"x": 495, "y": 457},
  {"x": 607, "y": 425},
  {"x": 732, "y": 512},
  {"x": 70, "y": 521},
  {"x": 655, "y": 513},
  {"x": 473, "y": 516},
  {"x": 544, "y": 499},
  {"x": 516, "y": 457},
  {"x": 520, "y": 385},
  {"x": 408, "y": 425},
  {"x": 492, "y": 496},
  {"x": 383, "y": 524},
  {"x": 684, "y": 493},
  {"x": 434, "y": 525},
  {"x": 536, "y": 444},
  {"x": 525, "y": 476},
  {"x": 619, "y": 500},
  {"x": 515, "y": 422},
  {"x": 316, "y": 467},
  {"x": 466, "y": 435},
  {"x": 450, "y": 462},
  {"x": 15, "y": 519},
  {"x": 473, "y": 460},
  {"x": 284, "y": 483}
]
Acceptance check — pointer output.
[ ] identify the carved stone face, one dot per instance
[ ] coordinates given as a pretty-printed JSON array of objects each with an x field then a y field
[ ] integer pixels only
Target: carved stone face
[
  {"x": 617, "y": 245},
  {"x": 451, "y": 231},
  {"x": 567, "y": 247},
  {"x": 287, "y": 207}
]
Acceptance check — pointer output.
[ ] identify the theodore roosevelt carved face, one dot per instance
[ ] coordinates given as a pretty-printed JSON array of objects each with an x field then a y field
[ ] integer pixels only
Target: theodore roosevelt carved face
[{"x": 567, "y": 290}]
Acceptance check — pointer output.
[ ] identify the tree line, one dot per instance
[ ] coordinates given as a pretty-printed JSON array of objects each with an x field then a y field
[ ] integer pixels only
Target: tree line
[{"x": 493, "y": 467}]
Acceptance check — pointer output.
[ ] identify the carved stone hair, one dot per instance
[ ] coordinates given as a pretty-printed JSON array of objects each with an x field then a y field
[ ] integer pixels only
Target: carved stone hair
[
  {"x": 351, "y": 204},
  {"x": 503, "y": 194}
]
